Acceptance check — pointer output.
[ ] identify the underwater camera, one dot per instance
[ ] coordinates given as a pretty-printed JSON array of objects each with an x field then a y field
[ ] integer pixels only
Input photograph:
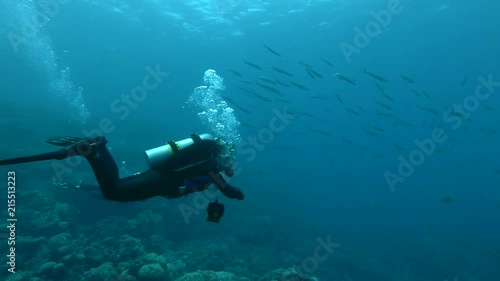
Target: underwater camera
[{"x": 215, "y": 211}]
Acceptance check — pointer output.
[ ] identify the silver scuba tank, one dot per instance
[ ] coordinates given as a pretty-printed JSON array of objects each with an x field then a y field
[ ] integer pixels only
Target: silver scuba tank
[{"x": 156, "y": 157}]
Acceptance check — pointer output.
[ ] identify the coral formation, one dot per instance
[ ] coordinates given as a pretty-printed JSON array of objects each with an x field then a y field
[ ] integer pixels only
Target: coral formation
[
  {"x": 152, "y": 272},
  {"x": 210, "y": 276},
  {"x": 289, "y": 274}
]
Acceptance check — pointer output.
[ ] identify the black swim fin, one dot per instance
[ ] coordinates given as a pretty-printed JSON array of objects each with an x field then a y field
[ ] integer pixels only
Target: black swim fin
[
  {"x": 74, "y": 146},
  {"x": 64, "y": 141}
]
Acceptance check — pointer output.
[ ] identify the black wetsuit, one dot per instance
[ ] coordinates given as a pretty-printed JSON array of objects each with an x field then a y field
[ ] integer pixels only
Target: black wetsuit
[
  {"x": 165, "y": 181},
  {"x": 156, "y": 182}
]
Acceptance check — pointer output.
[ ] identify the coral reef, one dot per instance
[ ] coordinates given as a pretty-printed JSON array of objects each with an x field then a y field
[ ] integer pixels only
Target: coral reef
[
  {"x": 152, "y": 272},
  {"x": 286, "y": 275},
  {"x": 105, "y": 272},
  {"x": 53, "y": 270},
  {"x": 143, "y": 247},
  {"x": 210, "y": 276}
]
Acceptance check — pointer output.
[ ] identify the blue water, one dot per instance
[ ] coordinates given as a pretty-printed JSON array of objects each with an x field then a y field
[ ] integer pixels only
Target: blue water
[{"x": 324, "y": 172}]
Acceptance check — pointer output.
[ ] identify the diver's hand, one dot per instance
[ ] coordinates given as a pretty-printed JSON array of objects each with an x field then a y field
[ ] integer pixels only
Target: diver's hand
[
  {"x": 232, "y": 192},
  {"x": 238, "y": 194}
]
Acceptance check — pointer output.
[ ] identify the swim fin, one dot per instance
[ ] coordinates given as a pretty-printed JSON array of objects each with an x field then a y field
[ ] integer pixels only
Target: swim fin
[
  {"x": 74, "y": 142},
  {"x": 74, "y": 146},
  {"x": 64, "y": 141}
]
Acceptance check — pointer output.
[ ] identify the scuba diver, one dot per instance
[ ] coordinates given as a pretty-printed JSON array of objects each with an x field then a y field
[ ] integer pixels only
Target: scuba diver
[{"x": 175, "y": 169}]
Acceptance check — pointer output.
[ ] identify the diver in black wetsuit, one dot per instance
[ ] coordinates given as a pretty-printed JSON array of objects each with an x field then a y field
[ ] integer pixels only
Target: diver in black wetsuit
[{"x": 176, "y": 169}]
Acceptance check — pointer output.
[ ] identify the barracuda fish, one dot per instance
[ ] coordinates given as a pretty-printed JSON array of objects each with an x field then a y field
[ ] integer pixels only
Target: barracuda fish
[
  {"x": 234, "y": 104},
  {"x": 376, "y": 76},
  {"x": 245, "y": 90},
  {"x": 415, "y": 92},
  {"x": 252, "y": 65},
  {"x": 370, "y": 133},
  {"x": 379, "y": 88},
  {"x": 407, "y": 79},
  {"x": 327, "y": 62},
  {"x": 249, "y": 93},
  {"x": 234, "y": 71},
  {"x": 270, "y": 89},
  {"x": 362, "y": 148},
  {"x": 282, "y": 71},
  {"x": 319, "y": 97},
  {"x": 272, "y": 51},
  {"x": 265, "y": 79},
  {"x": 242, "y": 109},
  {"x": 262, "y": 97},
  {"x": 383, "y": 114},
  {"x": 310, "y": 73},
  {"x": 325, "y": 133},
  {"x": 360, "y": 108},
  {"x": 351, "y": 110},
  {"x": 307, "y": 114},
  {"x": 292, "y": 111},
  {"x": 247, "y": 125},
  {"x": 426, "y": 94},
  {"x": 428, "y": 109},
  {"x": 284, "y": 100},
  {"x": 345, "y": 78},
  {"x": 299, "y": 86},
  {"x": 229, "y": 100},
  {"x": 245, "y": 82},
  {"x": 304, "y": 64},
  {"x": 464, "y": 81},
  {"x": 282, "y": 83},
  {"x": 338, "y": 98},
  {"x": 384, "y": 105},
  {"x": 404, "y": 123},
  {"x": 398, "y": 147},
  {"x": 389, "y": 98},
  {"x": 314, "y": 72},
  {"x": 457, "y": 113},
  {"x": 346, "y": 140},
  {"x": 378, "y": 129}
]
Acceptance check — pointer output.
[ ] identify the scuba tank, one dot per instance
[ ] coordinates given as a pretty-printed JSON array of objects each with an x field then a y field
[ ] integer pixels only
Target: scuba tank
[{"x": 181, "y": 154}]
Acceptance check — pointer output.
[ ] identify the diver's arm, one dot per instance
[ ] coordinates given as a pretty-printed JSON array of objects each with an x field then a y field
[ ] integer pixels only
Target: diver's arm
[{"x": 228, "y": 190}]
